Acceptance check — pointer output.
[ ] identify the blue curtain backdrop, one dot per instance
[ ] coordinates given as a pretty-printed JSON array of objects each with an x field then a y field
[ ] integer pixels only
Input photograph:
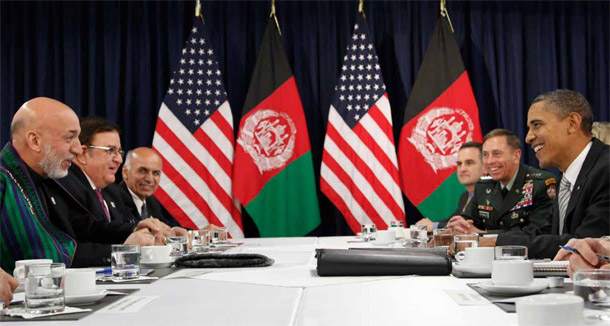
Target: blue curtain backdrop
[{"x": 114, "y": 59}]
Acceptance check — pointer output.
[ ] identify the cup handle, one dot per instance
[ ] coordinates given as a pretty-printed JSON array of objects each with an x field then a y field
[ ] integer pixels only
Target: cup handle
[
  {"x": 19, "y": 272},
  {"x": 460, "y": 256}
]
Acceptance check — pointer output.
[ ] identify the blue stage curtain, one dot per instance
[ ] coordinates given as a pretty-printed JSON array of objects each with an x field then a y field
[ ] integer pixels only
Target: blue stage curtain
[{"x": 114, "y": 59}]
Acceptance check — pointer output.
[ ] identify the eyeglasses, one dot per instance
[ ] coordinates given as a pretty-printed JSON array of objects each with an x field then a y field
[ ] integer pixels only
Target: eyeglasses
[{"x": 110, "y": 150}]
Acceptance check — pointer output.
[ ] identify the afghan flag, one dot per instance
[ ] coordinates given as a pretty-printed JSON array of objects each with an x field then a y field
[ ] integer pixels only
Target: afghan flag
[
  {"x": 440, "y": 116},
  {"x": 273, "y": 171}
]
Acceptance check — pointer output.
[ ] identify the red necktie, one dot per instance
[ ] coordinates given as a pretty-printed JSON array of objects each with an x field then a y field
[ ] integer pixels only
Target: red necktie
[{"x": 101, "y": 199}]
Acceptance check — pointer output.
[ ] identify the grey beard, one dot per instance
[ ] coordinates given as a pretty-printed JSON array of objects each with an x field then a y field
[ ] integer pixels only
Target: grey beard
[{"x": 51, "y": 163}]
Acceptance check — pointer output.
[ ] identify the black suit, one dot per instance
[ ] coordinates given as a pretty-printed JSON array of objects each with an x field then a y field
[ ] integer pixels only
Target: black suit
[
  {"x": 77, "y": 184},
  {"x": 460, "y": 208},
  {"x": 153, "y": 206},
  {"x": 93, "y": 237},
  {"x": 587, "y": 214}
]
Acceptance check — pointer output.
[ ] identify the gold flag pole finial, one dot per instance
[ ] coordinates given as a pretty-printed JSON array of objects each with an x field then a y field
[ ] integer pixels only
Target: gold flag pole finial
[
  {"x": 198, "y": 8},
  {"x": 277, "y": 24},
  {"x": 361, "y": 8},
  {"x": 445, "y": 13}
]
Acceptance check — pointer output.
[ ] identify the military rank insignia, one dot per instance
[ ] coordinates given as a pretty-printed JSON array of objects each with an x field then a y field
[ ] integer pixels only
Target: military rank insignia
[{"x": 527, "y": 200}]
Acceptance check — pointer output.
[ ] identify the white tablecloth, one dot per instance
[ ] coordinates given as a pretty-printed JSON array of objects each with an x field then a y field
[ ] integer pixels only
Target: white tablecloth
[{"x": 291, "y": 293}]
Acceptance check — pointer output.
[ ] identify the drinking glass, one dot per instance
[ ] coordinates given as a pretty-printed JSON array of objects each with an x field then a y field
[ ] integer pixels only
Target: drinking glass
[
  {"x": 219, "y": 236},
  {"x": 463, "y": 241},
  {"x": 179, "y": 245},
  {"x": 44, "y": 288},
  {"x": 418, "y": 232},
  {"x": 200, "y": 240},
  {"x": 125, "y": 261},
  {"x": 593, "y": 285},
  {"x": 443, "y": 238},
  {"x": 511, "y": 253}
]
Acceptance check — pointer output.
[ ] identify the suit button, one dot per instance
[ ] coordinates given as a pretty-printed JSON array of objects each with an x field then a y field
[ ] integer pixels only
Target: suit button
[
  {"x": 501, "y": 223},
  {"x": 522, "y": 220}
]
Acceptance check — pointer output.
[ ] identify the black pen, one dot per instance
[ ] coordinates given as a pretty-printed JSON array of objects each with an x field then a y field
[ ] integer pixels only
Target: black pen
[{"x": 575, "y": 251}]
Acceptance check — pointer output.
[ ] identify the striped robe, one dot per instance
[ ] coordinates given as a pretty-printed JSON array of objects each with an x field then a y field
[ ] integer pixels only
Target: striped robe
[{"x": 27, "y": 232}]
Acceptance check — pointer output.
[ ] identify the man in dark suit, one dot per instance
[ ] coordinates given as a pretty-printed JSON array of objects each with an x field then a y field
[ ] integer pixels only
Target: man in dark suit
[
  {"x": 469, "y": 170},
  {"x": 141, "y": 175},
  {"x": 560, "y": 134},
  {"x": 514, "y": 197},
  {"x": 91, "y": 179}
]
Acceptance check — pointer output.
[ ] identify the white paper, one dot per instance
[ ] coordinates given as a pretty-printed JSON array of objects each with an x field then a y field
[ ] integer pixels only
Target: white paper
[
  {"x": 20, "y": 312},
  {"x": 188, "y": 273},
  {"x": 467, "y": 298},
  {"x": 129, "y": 304},
  {"x": 140, "y": 278}
]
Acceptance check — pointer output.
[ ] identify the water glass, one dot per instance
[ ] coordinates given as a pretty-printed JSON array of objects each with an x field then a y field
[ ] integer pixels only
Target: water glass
[
  {"x": 125, "y": 261},
  {"x": 418, "y": 232},
  {"x": 443, "y": 238},
  {"x": 200, "y": 240},
  {"x": 369, "y": 232},
  {"x": 593, "y": 285},
  {"x": 44, "y": 288},
  {"x": 463, "y": 241},
  {"x": 179, "y": 245},
  {"x": 220, "y": 236},
  {"x": 511, "y": 253}
]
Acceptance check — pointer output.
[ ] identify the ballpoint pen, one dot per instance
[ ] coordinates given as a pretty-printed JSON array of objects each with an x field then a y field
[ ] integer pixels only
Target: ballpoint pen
[{"x": 575, "y": 251}]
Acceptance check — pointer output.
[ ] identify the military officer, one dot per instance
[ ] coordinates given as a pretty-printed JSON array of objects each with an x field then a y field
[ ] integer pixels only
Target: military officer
[{"x": 513, "y": 196}]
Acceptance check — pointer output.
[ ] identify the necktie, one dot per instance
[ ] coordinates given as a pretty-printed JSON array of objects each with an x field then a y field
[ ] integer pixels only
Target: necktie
[
  {"x": 98, "y": 193},
  {"x": 144, "y": 212},
  {"x": 504, "y": 192},
  {"x": 563, "y": 199}
]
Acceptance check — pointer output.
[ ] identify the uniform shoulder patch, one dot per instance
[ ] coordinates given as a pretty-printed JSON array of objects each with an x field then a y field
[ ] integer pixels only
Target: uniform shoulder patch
[
  {"x": 551, "y": 190},
  {"x": 550, "y": 181}
]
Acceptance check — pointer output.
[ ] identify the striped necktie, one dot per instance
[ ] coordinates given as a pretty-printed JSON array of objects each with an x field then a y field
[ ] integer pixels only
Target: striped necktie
[{"x": 563, "y": 199}]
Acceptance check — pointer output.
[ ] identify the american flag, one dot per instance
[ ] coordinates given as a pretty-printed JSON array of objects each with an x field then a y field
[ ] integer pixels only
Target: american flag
[
  {"x": 194, "y": 137},
  {"x": 359, "y": 172}
]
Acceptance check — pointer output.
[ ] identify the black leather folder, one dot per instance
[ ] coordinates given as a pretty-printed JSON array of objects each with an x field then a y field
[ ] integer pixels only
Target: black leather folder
[{"x": 349, "y": 262}]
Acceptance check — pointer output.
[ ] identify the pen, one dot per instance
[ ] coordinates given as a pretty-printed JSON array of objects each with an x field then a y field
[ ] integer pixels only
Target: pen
[
  {"x": 575, "y": 251},
  {"x": 107, "y": 270}
]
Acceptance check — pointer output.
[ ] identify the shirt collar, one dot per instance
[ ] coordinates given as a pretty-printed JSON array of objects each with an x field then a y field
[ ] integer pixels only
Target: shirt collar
[
  {"x": 136, "y": 200},
  {"x": 574, "y": 169},
  {"x": 90, "y": 181},
  {"x": 510, "y": 183}
]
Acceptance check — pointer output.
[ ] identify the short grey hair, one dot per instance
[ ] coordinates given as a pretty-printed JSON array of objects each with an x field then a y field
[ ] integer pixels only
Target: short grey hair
[
  {"x": 128, "y": 156},
  {"x": 565, "y": 101}
]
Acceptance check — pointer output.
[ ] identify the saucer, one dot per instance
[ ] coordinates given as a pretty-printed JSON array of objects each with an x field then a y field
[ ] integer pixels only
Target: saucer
[
  {"x": 85, "y": 299},
  {"x": 382, "y": 243},
  {"x": 157, "y": 265},
  {"x": 536, "y": 286},
  {"x": 474, "y": 270}
]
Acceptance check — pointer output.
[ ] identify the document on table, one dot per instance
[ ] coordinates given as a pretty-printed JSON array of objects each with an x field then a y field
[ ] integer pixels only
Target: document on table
[
  {"x": 467, "y": 298},
  {"x": 128, "y": 304},
  {"x": 188, "y": 273}
]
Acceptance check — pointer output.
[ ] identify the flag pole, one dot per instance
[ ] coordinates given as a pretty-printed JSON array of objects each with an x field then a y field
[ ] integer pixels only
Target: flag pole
[
  {"x": 445, "y": 13},
  {"x": 277, "y": 24},
  {"x": 198, "y": 11},
  {"x": 361, "y": 8}
]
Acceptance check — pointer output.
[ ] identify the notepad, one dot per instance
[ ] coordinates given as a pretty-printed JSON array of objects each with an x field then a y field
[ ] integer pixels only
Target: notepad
[{"x": 551, "y": 268}]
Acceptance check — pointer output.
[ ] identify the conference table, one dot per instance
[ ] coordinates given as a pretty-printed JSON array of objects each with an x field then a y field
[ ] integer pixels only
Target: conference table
[{"x": 291, "y": 293}]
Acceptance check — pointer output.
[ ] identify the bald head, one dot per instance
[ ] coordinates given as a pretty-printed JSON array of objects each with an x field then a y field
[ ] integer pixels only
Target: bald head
[
  {"x": 142, "y": 171},
  {"x": 45, "y": 134}
]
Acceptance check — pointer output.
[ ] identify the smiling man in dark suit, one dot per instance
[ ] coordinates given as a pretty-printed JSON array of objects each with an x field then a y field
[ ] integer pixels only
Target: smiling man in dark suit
[
  {"x": 141, "y": 176},
  {"x": 560, "y": 134}
]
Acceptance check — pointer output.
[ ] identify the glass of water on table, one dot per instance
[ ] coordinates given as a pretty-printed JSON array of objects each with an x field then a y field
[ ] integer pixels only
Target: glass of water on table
[
  {"x": 593, "y": 285},
  {"x": 44, "y": 288},
  {"x": 125, "y": 261}
]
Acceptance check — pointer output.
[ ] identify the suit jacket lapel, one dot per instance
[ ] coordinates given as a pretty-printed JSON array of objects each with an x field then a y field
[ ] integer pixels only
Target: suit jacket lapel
[{"x": 583, "y": 175}]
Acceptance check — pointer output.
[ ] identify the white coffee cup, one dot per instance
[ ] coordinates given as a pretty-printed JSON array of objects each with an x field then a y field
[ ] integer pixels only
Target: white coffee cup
[
  {"x": 385, "y": 236},
  {"x": 552, "y": 309},
  {"x": 476, "y": 256},
  {"x": 79, "y": 282},
  {"x": 155, "y": 254},
  {"x": 18, "y": 272},
  {"x": 512, "y": 272}
]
